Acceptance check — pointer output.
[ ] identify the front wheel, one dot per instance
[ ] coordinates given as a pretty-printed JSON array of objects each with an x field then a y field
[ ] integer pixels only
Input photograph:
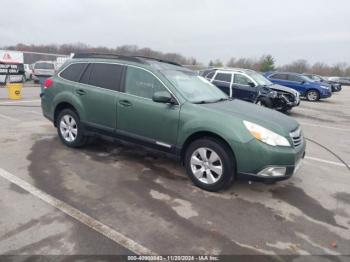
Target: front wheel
[
  {"x": 210, "y": 164},
  {"x": 312, "y": 95},
  {"x": 69, "y": 129}
]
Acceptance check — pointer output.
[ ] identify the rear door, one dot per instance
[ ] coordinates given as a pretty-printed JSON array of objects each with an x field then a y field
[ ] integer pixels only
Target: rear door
[
  {"x": 140, "y": 117},
  {"x": 98, "y": 91},
  {"x": 241, "y": 88},
  {"x": 279, "y": 78},
  {"x": 297, "y": 83},
  {"x": 223, "y": 81}
]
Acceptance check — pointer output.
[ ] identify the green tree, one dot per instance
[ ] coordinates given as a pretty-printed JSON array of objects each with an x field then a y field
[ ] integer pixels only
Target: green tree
[{"x": 267, "y": 63}]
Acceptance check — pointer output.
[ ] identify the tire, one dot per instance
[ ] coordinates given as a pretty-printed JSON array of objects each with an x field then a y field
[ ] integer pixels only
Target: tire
[
  {"x": 199, "y": 157},
  {"x": 264, "y": 101},
  {"x": 313, "y": 95},
  {"x": 70, "y": 129}
]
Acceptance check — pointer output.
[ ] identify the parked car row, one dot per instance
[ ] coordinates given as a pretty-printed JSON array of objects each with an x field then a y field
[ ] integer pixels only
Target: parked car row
[
  {"x": 38, "y": 69},
  {"x": 277, "y": 90},
  {"x": 251, "y": 86}
]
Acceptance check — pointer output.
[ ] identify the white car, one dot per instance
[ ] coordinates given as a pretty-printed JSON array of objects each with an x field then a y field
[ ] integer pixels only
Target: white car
[
  {"x": 28, "y": 72},
  {"x": 43, "y": 69}
]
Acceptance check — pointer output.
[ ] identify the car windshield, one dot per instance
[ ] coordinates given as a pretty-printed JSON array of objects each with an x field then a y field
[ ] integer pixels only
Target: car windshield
[
  {"x": 193, "y": 87},
  {"x": 308, "y": 78},
  {"x": 260, "y": 79},
  {"x": 44, "y": 66}
]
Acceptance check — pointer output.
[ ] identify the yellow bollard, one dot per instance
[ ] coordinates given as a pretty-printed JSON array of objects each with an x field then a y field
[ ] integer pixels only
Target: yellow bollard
[{"x": 14, "y": 90}]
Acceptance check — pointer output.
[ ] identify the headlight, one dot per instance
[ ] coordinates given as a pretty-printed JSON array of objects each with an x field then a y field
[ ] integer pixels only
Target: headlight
[
  {"x": 265, "y": 135},
  {"x": 325, "y": 87}
]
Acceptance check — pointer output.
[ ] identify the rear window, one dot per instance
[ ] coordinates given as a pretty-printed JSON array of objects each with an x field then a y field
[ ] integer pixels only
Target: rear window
[
  {"x": 50, "y": 66},
  {"x": 210, "y": 75},
  {"x": 279, "y": 76},
  {"x": 103, "y": 75},
  {"x": 223, "y": 77},
  {"x": 73, "y": 72}
]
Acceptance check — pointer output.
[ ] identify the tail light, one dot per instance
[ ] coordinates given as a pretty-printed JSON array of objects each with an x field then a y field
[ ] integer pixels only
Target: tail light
[{"x": 48, "y": 82}]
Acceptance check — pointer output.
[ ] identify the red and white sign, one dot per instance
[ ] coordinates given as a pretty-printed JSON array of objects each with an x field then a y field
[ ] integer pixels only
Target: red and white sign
[{"x": 11, "y": 57}]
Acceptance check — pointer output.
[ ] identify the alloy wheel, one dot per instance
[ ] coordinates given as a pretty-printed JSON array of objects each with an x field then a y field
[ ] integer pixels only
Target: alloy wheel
[
  {"x": 206, "y": 165},
  {"x": 68, "y": 128},
  {"x": 312, "y": 95}
]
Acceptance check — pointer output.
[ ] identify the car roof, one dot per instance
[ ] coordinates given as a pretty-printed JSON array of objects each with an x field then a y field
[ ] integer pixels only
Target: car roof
[
  {"x": 157, "y": 63},
  {"x": 231, "y": 69}
]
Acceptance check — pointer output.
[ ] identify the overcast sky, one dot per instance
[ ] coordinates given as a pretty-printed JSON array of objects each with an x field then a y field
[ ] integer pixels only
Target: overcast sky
[{"x": 316, "y": 30}]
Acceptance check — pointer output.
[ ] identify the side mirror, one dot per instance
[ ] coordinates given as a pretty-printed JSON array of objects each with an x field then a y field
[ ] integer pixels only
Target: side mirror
[
  {"x": 251, "y": 84},
  {"x": 302, "y": 82},
  {"x": 162, "y": 97}
]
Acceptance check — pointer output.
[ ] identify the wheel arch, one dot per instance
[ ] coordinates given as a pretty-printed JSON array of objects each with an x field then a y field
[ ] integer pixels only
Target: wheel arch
[
  {"x": 61, "y": 106},
  {"x": 204, "y": 134}
]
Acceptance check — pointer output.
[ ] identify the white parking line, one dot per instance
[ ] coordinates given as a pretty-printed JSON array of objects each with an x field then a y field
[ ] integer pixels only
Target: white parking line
[
  {"x": 323, "y": 126},
  {"x": 19, "y": 101},
  {"x": 78, "y": 215},
  {"x": 9, "y": 118},
  {"x": 325, "y": 161}
]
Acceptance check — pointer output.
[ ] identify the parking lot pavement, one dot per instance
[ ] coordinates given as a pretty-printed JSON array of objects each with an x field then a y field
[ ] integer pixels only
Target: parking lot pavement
[{"x": 145, "y": 196}]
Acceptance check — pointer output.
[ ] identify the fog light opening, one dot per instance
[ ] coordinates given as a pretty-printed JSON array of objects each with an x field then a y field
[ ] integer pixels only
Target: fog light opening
[{"x": 273, "y": 172}]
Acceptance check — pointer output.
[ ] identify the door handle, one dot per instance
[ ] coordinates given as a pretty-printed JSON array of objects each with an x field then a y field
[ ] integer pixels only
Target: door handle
[
  {"x": 125, "y": 103},
  {"x": 80, "y": 92}
]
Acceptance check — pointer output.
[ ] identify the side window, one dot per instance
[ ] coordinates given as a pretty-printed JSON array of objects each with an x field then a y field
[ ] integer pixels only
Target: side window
[
  {"x": 223, "y": 77},
  {"x": 279, "y": 76},
  {"x": 86, "y": 75},
  {"x": 241, "y": 80},
  {"x": 210, "y": 75},
  {"x": 141, "y": 83},
  {"x": 294, "y": 78},
  {"x": 105, "y": 75},
  {"x": 73, "y": 72}
]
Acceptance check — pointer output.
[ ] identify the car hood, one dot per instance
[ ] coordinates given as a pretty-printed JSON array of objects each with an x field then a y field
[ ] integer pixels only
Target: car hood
[
  {"x": 283, "y": 88},
  {"x": 265, "y": 117}
]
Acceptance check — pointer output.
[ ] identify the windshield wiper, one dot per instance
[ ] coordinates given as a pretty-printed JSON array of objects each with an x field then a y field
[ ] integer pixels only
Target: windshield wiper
[
  {"x": 201, "y": 102},
  {"x": 222, "y": 99}
]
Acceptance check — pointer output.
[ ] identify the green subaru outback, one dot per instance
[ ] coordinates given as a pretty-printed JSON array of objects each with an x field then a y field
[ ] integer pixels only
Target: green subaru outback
[{"x": 163, "y": 105}]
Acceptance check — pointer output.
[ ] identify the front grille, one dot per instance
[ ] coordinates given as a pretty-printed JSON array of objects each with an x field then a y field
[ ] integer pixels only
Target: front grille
[
  {"x": 297, "y": 137},
  {"x": 288, "y": 96}
]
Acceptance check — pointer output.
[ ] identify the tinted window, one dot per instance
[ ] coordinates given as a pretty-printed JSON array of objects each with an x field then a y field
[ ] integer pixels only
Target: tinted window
[
  {"x": 50, "y": 66},
  {"x": 279, "y": 76},
  {"x": 294, "y": 78},
  {"x": 241, "y": 80},
  {"x": 104, "y": 75},
  {"x": 223, "y": 77},
  {"x": 210, "y": 75},
  {"x": 86, "y": 75},
  {"x": 141, "y": 83},
  {"x": 73, "y": 72}
]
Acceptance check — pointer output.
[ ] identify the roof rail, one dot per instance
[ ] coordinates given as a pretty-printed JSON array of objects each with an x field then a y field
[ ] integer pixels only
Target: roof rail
[
  {"x": 158, "y": 59},
  {"x": 109, "y": 56}
]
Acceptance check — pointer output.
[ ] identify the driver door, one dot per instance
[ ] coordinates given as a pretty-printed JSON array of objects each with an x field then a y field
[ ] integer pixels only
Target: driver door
[
  {"x": 138, "y": 116},
  {"x": 242, "y": 88}
]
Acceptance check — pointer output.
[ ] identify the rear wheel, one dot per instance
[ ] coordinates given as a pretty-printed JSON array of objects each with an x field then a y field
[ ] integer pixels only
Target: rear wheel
[
  {"x": 210, "y": 164},
  {"x": 69, "y": 129},
  {"x": 312, "y": 95}
]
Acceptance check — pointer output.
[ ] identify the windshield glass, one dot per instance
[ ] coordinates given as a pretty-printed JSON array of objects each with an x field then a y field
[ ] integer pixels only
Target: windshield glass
[
  {"x": 260, "y": 79},
  {"x": 307, "y": 78},
  {"x": 193, "y": 87},
  {"x": 44, "y": 66}
]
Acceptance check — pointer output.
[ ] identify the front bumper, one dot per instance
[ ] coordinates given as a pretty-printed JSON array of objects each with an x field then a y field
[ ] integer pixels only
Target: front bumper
[
  {"x": 255, "y": 158},
  {"x": 325, "y": 93},
  {"x": 262, "y": 176}
]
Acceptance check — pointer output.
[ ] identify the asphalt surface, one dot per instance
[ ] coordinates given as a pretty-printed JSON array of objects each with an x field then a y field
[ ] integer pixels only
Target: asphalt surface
[{"x": 146, "y": 197}]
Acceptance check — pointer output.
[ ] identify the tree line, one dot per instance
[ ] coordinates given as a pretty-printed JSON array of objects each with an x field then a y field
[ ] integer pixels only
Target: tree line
[{"x": 262, "y": 64}]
